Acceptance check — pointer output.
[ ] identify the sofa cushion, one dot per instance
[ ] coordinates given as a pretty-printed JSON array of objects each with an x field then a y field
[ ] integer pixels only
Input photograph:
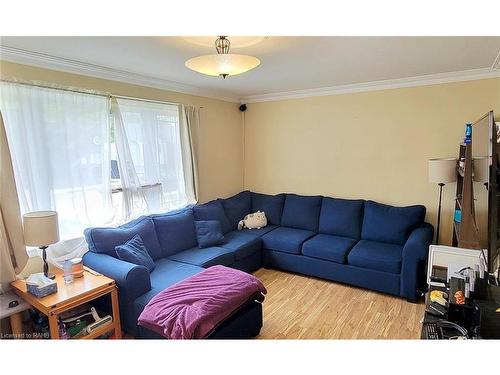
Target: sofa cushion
[
  {"x": 237, "y": 207},
  {"x": 208, "y": 233},
  {"x": 166, "y": 273},
  {"x": 328, "y": 247},
  {"x": 258, "y": 232},
  {"x": 390, "y": 224},
  {"x": 175, "y": 231},
  {"x": 288, "y": 240},
  {"x": 207, "y": 257},
  {"x": 301, "y": 212},
  {"x": 272, "y": 205},
  {"x": 242, "y": 244},
  {"x": 376, "y": 256},
  {"x": 341, "y": 217},
  {"x": 212, "y": 211},
  {"x": 134, "y": 251},
  {"x": 104, "y": 240}
]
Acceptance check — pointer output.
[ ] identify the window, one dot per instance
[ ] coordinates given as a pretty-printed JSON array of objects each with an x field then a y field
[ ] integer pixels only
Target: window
[
  {"x": 92, "y": 158},
  {"x": 153, "y": 137},
  {"x": 59, "y": 145}
]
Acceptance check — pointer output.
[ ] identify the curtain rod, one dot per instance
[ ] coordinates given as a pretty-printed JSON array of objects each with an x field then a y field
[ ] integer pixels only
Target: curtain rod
[
  {"x": 145, "y": 100},
  {"x": 88, "y": 91}
]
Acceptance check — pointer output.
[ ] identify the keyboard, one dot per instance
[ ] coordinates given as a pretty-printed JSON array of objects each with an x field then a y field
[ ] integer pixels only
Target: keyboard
[{"x": 432, "y": 331}]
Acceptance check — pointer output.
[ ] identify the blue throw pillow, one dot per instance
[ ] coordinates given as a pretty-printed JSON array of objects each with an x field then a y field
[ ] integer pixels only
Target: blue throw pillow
[
  {"x": 134, "y": 251},
  {"x": 208, "y": 233}
]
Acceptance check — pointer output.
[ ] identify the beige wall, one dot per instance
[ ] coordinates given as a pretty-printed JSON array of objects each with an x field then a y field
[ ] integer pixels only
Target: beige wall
[
  {"x": 372, "y": 145},
  {"x": 219, "y": 141}
]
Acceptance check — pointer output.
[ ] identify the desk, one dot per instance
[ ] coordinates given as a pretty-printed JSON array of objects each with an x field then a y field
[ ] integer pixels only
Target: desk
[
  {"x": 13, "y": 313},
  {"x": 68, "y": 296},
  {"x": 490, "y": 319}
]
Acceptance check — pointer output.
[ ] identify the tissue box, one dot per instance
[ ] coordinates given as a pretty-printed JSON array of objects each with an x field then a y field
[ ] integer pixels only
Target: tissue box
[{"x": 42, "y": 291}]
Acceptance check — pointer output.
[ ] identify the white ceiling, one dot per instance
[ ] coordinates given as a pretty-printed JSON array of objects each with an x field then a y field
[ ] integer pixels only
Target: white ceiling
[{"x": 290, "y": 66}]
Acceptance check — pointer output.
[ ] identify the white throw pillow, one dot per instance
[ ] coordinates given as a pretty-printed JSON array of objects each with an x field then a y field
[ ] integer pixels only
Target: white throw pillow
[{"x": 254, "y": 220}]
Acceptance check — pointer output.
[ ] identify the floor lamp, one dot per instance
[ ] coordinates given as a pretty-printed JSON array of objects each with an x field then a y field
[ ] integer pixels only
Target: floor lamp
[{"x": 441, "y": 172}]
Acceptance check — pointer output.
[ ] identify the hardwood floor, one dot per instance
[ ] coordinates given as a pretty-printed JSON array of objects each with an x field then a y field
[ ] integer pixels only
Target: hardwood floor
[{"x": 300, "y": 307}]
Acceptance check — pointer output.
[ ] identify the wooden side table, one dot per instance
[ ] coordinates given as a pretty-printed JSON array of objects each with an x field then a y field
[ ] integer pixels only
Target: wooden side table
[{"x": 68, "y": 296}]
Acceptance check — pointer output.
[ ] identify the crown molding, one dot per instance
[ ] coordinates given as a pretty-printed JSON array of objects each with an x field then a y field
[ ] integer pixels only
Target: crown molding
[
  {"x": 43, "y": 60},
  {"x": 431, "y": 79}
]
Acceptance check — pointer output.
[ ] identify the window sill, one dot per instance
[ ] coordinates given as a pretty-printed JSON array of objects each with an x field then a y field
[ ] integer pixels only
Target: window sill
[{"x": 120, "y": 189}]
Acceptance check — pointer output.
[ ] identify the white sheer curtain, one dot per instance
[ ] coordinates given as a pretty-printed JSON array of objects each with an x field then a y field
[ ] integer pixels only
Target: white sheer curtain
[
  {"x": 59, "y": 142},
  {"x": 133, "y": 199},
  {"x": 63, "y": 145},
  {"x": 152, "y": 135}
]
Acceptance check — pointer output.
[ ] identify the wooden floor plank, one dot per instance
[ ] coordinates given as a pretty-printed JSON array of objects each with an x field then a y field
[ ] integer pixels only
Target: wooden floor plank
[{"x": 308, "y": 308}]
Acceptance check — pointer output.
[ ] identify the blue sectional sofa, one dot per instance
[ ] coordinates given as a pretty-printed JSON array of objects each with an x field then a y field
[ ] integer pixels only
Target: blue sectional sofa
[{"x": 363, "y": 243}]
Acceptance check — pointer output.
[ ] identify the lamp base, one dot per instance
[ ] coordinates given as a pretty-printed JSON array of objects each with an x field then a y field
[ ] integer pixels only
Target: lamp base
[
  {"x": 45, "y": 264},
  {"x": 439, "y": 211}
]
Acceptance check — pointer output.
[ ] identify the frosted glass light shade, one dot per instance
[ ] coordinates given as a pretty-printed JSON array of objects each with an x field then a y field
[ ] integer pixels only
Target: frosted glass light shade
[
  {"x": 40, "y": 228},
  {"x": 481, "y": 168},
  {"x": 442, "y": 170},
  {"x": 222, "y": 64}
]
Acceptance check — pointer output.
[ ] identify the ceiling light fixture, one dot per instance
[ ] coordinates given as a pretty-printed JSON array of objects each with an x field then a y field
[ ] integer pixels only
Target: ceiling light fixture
[{"x": 222, "y": 64}]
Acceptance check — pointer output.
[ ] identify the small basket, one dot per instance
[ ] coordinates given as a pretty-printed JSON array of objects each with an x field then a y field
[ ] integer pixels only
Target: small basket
[{"x": 43, "y": 291}]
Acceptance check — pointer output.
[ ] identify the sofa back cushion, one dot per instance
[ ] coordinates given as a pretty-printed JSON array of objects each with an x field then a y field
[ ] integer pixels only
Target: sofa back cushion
[
  {"x": 301, "y": 212},
  {"x": 104, "y": 240},
  {"x": 237, "y": 207},
  {"x": 175, "y": 231},
  {"x": 272, "y": 205},
  {"x": 341, "y": 217},
  {"x": 212, "y": 210},
  {"x": 390, "y": 224}
]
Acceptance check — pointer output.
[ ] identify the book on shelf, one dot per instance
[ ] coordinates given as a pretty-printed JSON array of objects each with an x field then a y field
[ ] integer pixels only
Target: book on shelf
[{"x": 82, "y": 321}]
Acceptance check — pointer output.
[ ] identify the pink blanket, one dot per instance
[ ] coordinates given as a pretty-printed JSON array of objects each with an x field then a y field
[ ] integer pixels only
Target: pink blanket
[{"x": 195, "y": 306}]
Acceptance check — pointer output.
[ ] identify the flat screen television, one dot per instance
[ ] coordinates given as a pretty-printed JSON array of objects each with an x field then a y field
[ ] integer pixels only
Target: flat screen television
[{"x": 486, "y": 169}]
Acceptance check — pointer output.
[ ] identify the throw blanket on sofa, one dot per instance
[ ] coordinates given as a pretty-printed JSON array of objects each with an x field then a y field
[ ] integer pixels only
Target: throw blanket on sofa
[{"x": 195, "y": 306}]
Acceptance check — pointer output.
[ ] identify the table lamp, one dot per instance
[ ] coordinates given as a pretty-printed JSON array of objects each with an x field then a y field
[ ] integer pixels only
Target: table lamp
[
  {"x": 441, "y": 172},
  {"x": 41, "y": 230}
]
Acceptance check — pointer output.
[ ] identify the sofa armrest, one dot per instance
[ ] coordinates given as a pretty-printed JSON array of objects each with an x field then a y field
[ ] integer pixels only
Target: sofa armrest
[
  {"x": 414, "y": 260},
  {"x": 132, "y": 280}
]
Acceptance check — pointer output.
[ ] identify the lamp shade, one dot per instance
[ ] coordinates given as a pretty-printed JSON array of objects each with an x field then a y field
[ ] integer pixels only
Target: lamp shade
[
  {"x": 481, "y": 168},
  {"x": 443, "y": 170},
  {"x": 222, "y": 64},
  {"x": 40, "y": 228}
]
